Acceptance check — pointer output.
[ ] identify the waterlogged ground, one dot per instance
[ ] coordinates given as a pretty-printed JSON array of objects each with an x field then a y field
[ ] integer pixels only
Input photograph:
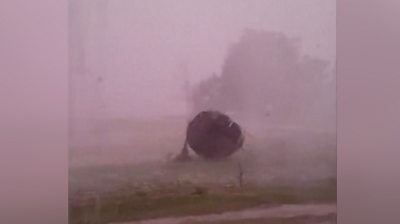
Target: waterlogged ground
[{"x": 127, "y": 176}]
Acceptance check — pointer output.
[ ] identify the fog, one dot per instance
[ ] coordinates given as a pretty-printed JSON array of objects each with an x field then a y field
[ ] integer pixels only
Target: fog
[
  {"x": 144, "y": 51},
  {"x": 140, "y": 70}
]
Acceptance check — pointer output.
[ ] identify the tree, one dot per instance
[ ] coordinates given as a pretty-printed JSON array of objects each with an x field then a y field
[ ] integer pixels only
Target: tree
[{"x": 265, "y": 70}]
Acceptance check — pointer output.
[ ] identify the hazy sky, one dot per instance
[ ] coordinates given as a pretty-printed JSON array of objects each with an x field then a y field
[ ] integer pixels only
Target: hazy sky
[{"x": 141, "y": 47}]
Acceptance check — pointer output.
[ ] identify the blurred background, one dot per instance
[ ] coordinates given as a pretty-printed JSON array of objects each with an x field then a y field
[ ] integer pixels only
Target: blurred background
[{"x": 141, "y": 69}]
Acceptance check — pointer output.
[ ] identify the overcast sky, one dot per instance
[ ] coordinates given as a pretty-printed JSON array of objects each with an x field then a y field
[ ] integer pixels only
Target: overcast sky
[{"x": 140, "y": 48}]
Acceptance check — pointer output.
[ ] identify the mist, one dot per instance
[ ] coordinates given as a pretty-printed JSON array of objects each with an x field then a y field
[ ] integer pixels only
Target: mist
[
  {"x": 141, "y": 70},
  {"x": 144, "y": 50}
]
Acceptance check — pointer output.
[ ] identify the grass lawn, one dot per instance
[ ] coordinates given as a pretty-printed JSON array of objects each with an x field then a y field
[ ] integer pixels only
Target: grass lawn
[{"x": 188, "y": 199}]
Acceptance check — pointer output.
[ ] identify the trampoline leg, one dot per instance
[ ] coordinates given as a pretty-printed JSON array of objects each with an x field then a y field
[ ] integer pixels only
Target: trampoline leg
[{"x": 184, "y": 155}]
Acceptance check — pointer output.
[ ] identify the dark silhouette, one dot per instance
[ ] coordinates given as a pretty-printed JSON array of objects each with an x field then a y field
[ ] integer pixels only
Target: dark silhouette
[{"x": 212, "y": 135}]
